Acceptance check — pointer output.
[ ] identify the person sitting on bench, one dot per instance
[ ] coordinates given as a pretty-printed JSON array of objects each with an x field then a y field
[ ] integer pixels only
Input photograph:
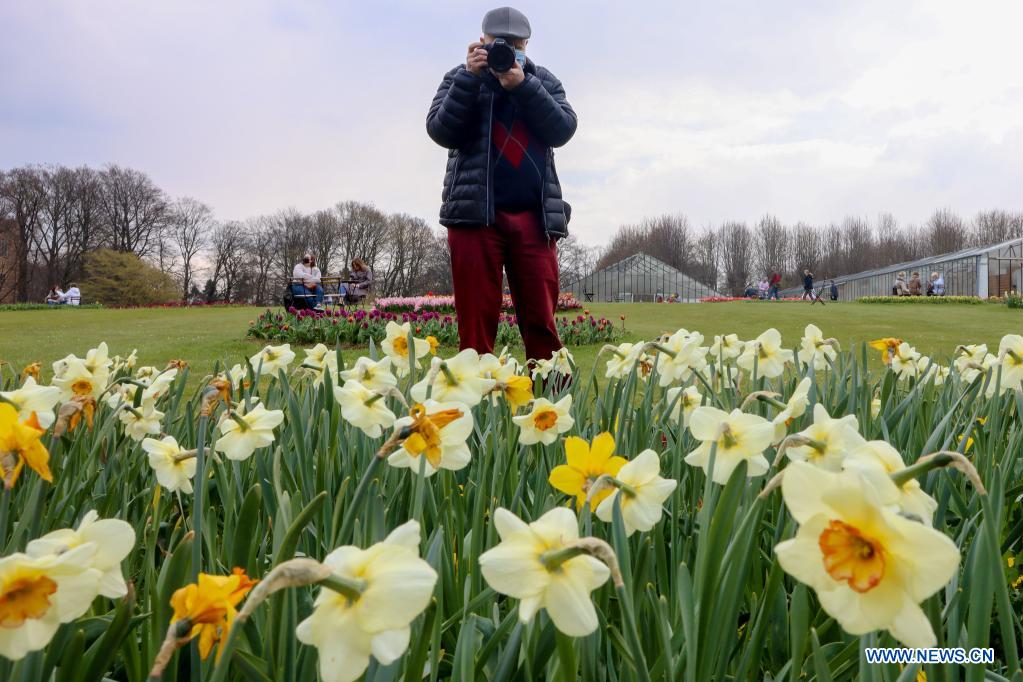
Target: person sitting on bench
[
  {"x": 306, "y": 281},
  {"x": 360, "y": 281}
]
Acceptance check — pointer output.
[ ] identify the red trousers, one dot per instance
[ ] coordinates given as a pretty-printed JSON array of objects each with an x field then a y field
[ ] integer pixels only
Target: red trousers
[{"x": 517, "y": 244}]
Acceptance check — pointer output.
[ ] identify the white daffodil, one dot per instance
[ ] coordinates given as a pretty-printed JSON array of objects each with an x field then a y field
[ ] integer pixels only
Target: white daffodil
[
  {"x": 545, "y": 421},
  {"x": 373, "y": 374},
  {"x": 794, "y": 408},
  {"x": 1010, "y": 362},
  {"x": 904, "y": 361},
  {"x": 363, "y": 409},
  {"x": 641, "y": 493},
  {"x": 395, "y": 346},
  {"x": 561, "y": 361},
  {"x": 98, "y": 362},
  {"x": 725, "y": 347},
  {"x": 932, "y": 371},
  {"x": 140, "y": 421},
  {"x": 245, "y": 432},
  {"x": 145, "y": 373},
  {"x": 869, "y": 566},
  {"x": 524, "y": 566},
  {"x": 766, "y": 353},
  {"x": 238, "y": 376},
  {"x": 439, "y": 432},
  {"x": 173, "y": 466},
  {"x": 679, "y": 355},
  {"x": 739, "y": 436},
  {"x": 814, "y": 350},
  {"x": 623, "y": 359},
  {"x": 396, "y": 586},
  {"x": 158, "y": 385},
  {"x": 688, "y": 399},
  {"x": 321, "y": 361},
  {"x": 972, "y": 361},
  {"x": 830, "y": 440},
  {"x": 273, "y": 359},
  {"x": 457, "y": 379},
  {"x": 78, "y": 380},
  {"x": 877, "y": 461},
  {"x": 516, "y": 389},
  {"x": 113, "y": 540},
  {"x": 37, "y": 594},
  {"x": 875, "y": 407},
  {"x": 32, "y": 398}
]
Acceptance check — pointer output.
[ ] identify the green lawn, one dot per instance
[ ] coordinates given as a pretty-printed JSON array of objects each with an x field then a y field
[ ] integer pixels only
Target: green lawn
[{"x": 204, "y": 335}]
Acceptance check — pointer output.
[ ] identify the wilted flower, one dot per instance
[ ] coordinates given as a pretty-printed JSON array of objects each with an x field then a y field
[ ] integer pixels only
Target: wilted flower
[
  {"x": 438, "y": 433},
  {"x": 173, "y": 466},
  {"x": 526, "y": 565},
  {"x": 545, "y": 422},
  {"x": 395, "y": 586},
  {"x": 113, "y": 540},
  {"x": 31, "y": 398},
  {"x": 245, "y": 432},
  {"x": 739, "y": 436},
  {"x": 20, "y": 445},
  {"x": 869, "y": 567},
  {"x": 641, "y": 492},
  {"x": 209, "y": 604},
  {"x": 363, "y": 409},
  {"x": 272, "y": 359},
  {"x": 585, "y": 464},
  {"x": 766, "y": 353}
]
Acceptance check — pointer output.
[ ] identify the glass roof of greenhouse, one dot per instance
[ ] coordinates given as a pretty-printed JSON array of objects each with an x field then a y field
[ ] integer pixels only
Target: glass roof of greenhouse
[{"x": 642, "y": 265}]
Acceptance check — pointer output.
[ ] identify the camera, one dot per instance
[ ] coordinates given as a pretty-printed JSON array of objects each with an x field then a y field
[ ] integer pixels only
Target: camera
[{"x": 500, "y": 55}]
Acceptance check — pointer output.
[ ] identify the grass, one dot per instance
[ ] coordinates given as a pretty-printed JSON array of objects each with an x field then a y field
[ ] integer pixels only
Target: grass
[{"x": 203, "y": 336}]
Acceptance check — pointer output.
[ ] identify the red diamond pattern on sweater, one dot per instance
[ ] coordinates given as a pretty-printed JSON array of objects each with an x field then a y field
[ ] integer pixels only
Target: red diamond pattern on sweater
[{"x": 511, "y": 144}]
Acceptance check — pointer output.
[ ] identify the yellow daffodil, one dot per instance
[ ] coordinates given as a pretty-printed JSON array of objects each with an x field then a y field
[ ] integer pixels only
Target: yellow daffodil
[
  {"x": 113, "y": 540},
  {"x": 32, "y": 398},
  {"x": 210, "y": 605},
  {"x": 173, "y": 466},
  {"x": 363, "y": 409},
  {"x": 794, "y": 408},
  {"x": 641, "y": 490},
  {"x": 739, "y": 436},
  {"x": 886, "y": 346},
  {"x": 877, "y": 461},
  {"x": 373, "y": 374},
  {"x": 516, "y": 389},
  {"x": 814, "y": 350},
  {"x": 245, "y": 432},
  {"x": 830, "y": 440},
  {"x": 457, "y": 379},
  {"x": 395, "y": 346},
  {"x": 545, "y": 421},
  {"x": 685, "y": 400},
  {"x": 521, "y": 567},
  {"x": 20, "y": 446},
  {"x": 767, "y": 354},
  {"x": 434, "y": 344},
  {"x": 273, "y": 359},
  {"x": 439, "y": 432},
  {"x": 32, "y": 370},
  {"x": 585, "y": 464},
  {"x": 725, "y": 347},
  {"x": 869, "y": 566},
  {"x": 395, "y": 586},
  {"x": 37, "y": 594}
]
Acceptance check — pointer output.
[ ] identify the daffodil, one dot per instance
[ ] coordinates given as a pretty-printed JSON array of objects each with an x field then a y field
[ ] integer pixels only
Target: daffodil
[
  {"x": 173, "y": 466},
  {"x": 927, "y": 369},
  {"x": 739, "y": 437},
  {"x": 887, "y": 347},
  {"x": 766, "y": 353},
  {"x": 77, "y": 380},
  {"x": 98, "y": 362},
  {"x": 904, "y": 361},
  {"x": 273, "y": 359},
  {"x": 395, "y": 346},
  {"x": 31, "y": 398},
  {"x": 373, "y": 374},
  {"x": 679, "y": 355},
  {"x": 545, "y": 421},
  {"x": 561, "y": 361},
  {"x": 814, "y": 350},
  {"x": 457, "y": 379},
  {"x": 829, "y": 440},
  {"x": 20, "y": 446},
  {"x": 526, "y": 565},
  {"x": 38, "y": 594},
  {"x": 238, "y": 376},
  {"x": 794, "y": 408},
  {"x": 209, "y": 603},
  {"x": 1010, "y": 359},
  {"x": 875, "y": 407},
  {"x": 969, "y": 361},
  {"x": 684, "y": 401},
  {"x": 439, "y": 432},
  {"x": 869, "y": 566},
  {"x": 157, "y": 386},
  {"x": 321, "y": 361},
  {"x": 363, "y": 409},
  {"x": 877, "y": 461},
  {"x": 394, "y": 586},
  {"x": 516, "y": 389},
  {"x": 141, "y": 421},
  {"x": 113, "y": 538},
  {"x": 585, "y": 464},
  {"x": 725, "y": 347},
  {"x": 641, "y": 492},
  {"x": 623, "y": 359},
  {"x": 245, "y": 432}
]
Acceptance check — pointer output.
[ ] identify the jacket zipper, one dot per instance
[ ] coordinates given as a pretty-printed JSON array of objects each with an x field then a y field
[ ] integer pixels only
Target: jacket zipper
[
  {"x": 490, "y": 143},
  {"x": 543, "y": 193}
]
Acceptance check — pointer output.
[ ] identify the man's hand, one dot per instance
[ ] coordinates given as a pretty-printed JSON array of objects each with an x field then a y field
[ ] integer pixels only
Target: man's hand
[
  {"x": 476, "y": 59},
  {"x": 512, "y": 78}
]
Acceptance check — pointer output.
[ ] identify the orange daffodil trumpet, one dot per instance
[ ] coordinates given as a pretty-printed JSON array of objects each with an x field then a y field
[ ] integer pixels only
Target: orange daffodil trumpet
[
  {"x": 545, "y": 421},
  {"x": 869, "y": 566},
  {"x": 438, "y": 432},
  {"x": 396, "y": 346}
]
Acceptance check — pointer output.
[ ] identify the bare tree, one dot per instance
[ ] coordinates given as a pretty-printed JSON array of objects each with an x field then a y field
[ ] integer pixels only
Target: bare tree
[
  {"x": 134, "y": 210},
  {"x": 406, "y": 255},
  {"x": 325, "y": 239},
  {"x": 771, "y": 241},
  {"x": 945, "y": 232},
  {"x": 736, "y": 255},
  {"x": 226, "y": 254},
  {"x": 189, "y": 224},
  {"x": 23, "y": 194},
  {"x": 363, "y": 232},
  {"x": 575, "y": 260},
  {"x": 259, "y": 248}
]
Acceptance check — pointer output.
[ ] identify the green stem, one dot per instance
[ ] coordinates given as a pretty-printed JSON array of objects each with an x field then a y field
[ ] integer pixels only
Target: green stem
[
  {"x": 567, "y": 663},
  {"x": 554, "y": 558},
  {"x": 198, "y": 503},
  {"x": 452, "y": 381},
  {"x": 347, "y": 587}
]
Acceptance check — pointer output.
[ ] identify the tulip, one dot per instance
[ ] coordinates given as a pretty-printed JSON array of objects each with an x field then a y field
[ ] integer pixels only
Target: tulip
[{"x": 545, "y": 422}]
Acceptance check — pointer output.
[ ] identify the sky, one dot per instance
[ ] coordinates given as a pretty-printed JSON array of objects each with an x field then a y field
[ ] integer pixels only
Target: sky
[{"x": 721, "y": 110}]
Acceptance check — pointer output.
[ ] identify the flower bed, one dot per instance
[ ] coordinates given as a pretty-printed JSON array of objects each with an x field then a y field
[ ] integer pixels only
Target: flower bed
[
  {"x": 920, "y": 300},
  {"x": 746, "y": 299},
  {"x": 446, "y": 304},
  {"x": 359, "y": 326}
]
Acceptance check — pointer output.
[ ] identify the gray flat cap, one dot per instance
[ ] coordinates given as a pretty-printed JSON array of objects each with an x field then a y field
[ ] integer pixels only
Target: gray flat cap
[{"x": 506, "y": 22}]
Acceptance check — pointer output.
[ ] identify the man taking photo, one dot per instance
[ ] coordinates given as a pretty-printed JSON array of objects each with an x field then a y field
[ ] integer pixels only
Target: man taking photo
[{"x": 500, "y": 116}]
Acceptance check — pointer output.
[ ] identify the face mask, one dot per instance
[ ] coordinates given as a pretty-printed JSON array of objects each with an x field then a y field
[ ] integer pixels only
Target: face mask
[{"x": 520, "y": 57}]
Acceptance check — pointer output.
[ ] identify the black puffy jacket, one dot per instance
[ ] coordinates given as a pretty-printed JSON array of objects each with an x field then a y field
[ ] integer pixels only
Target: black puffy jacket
[{"x": 460, "y": 118}]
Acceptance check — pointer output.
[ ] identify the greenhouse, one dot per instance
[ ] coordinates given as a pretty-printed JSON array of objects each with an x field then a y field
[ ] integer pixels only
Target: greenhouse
[
  {"x": 639, "y": 277},
  {"x": 983, "y": 271}
]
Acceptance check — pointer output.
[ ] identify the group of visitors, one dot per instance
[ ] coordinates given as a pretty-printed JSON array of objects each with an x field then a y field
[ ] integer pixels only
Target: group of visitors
[
  {"x": 766, "y": 289},
  {"x": 915, "y": 287},
  {"x": 73, "y": 296},
  {"x": 307, "y": 282}
]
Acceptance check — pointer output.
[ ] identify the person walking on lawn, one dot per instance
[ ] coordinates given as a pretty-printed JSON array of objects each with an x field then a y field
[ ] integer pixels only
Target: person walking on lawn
[{"x": 501, "y": 198}]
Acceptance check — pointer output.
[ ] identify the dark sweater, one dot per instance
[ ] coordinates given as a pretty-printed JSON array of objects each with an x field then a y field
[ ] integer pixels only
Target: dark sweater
[{"x": 519, "y": 159}]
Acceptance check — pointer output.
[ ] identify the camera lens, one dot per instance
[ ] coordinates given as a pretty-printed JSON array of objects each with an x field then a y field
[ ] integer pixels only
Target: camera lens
[{"x": 500, "y": 55}]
